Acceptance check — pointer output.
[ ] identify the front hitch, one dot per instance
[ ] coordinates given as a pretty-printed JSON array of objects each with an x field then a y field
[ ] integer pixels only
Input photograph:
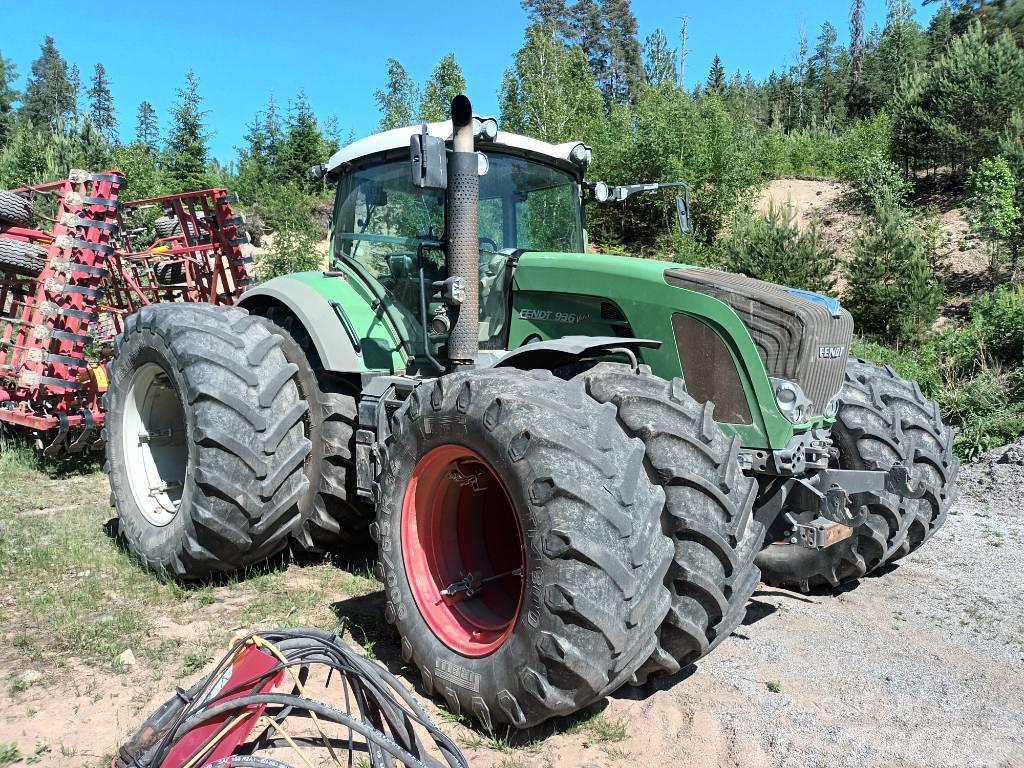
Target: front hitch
[{"x": 827, "y": 494}]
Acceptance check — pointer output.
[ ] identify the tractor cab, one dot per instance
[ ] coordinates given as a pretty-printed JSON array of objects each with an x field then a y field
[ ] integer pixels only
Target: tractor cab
[{"x": 390, "y": 230}]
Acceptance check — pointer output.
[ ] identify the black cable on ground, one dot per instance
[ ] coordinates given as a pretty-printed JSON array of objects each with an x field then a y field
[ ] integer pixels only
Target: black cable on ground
[{"x": 380, "y": 717}]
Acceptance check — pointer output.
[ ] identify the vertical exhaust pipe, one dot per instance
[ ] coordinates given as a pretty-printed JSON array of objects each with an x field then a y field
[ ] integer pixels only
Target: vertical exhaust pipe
[{"x": 463, "y": 227}]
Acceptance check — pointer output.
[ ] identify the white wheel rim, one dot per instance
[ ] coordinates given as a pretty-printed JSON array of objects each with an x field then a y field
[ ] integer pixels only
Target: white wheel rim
[{"x": 153, "y": 437}]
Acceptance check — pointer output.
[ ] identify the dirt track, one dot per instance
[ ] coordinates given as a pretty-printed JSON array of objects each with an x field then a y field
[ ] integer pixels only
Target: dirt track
[{"x": 920, "y": 666}]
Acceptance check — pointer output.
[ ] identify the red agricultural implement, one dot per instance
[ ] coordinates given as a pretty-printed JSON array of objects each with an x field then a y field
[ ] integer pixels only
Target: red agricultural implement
[{"x": 75, "y": 260}]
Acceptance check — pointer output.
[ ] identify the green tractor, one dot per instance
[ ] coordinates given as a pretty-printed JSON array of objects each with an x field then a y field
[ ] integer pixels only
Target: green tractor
[{"x": 576, "y": 467}]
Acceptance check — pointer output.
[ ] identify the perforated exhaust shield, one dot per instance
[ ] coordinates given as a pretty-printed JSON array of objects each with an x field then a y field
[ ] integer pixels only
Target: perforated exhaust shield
[
  {"x": 798, "y": 339},
  {"x": 464, "y": 252}
]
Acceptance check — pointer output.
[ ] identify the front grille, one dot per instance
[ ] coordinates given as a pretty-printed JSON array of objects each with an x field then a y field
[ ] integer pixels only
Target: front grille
[{"x": 788, "y": 330}]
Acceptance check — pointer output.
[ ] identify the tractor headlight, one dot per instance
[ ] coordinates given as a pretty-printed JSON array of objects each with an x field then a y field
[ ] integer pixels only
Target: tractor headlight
[
  {"x": 791, "y": 400},
  {"x": 485, "y": 128}
]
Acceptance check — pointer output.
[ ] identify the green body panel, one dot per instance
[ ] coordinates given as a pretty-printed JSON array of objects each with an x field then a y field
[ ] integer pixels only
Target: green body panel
[
  {"x": 379, "y": 333},
  {"x": 560, "y": 294}
]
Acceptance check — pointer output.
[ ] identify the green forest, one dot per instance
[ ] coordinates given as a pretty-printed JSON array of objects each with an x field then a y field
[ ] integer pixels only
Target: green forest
[{"x": 913, "y": 121}]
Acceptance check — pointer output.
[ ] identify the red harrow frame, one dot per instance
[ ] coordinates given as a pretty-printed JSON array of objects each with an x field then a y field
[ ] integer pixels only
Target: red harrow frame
[{"x": 67, "y": 289}]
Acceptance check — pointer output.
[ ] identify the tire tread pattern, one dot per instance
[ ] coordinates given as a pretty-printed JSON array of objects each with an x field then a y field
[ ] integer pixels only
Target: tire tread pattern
[
  {"x": 707, "y": 513},
  {"x": 246, "y": 487}
]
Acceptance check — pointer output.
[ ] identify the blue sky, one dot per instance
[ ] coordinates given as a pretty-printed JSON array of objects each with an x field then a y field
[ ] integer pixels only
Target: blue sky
[{"x": 336, "y": 51}]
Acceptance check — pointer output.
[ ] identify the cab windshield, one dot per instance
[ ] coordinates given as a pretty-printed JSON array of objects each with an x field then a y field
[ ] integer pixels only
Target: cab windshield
[{"x": 381, "y": 219}]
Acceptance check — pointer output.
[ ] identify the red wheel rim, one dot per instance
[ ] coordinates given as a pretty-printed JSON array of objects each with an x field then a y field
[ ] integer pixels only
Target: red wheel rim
[{"x": 462, "y": 548}]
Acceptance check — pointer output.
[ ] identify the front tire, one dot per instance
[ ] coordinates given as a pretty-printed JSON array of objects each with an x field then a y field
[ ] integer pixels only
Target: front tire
[
  {"x": 707, "y": 515},
  {"x": 882, "y": 419},
  {"x": 572, "y": 532},
  {"x": 204, "y": 439}
]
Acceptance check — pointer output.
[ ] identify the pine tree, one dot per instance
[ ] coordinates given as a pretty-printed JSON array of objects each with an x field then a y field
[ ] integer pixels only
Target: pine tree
[
  {"x": 8, "y": 74},
  {"x": 857, "y": 98},
  {"x": 586, "y": 29},
  {"x": 445, "y": 83},
  {"x": 147, "y": 132},
  {"x": 274, "y": 129},
  {"x": 716, "y": 76},
  {"x": 772, "y": 247},
  {"x": 50, "y": 94},
  {"x": 551, "y": 13},
  {"x": 398, "y": 100},
  {"x": 823, "y": 72},
  {"x": 625, "y": 69},
  {"x": 892, "y": 289},
  {"x": 659, "y": 59},
  {"x": 900, "y": 49},
  {"x": 940, "y": 31},
  {"x": 101, "y": 105},
  {"x": 302, "y": 147},
  {"x": 185, "y": 154},
  {"x": 963, "y": 104}
]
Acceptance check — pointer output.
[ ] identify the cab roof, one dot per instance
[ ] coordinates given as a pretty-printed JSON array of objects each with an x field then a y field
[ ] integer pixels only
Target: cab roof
[{"x": 399, "y": 138}]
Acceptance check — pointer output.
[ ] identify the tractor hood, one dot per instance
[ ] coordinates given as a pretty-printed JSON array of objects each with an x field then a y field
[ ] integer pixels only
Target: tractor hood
[{"x": 754, "y": 349}]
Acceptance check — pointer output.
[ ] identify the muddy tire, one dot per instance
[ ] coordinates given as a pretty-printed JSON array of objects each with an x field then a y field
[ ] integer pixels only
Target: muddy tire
[
  {"x": 15, "y": 210},
  {"x": 333, "y": 516},
  {"x": 568, "y": 503},
  {"x": 707, "y": 514},
  {"x": 21, "y": 258},
  {"x": 882, "y": 419},
  {"x": 205, "y": 446}
]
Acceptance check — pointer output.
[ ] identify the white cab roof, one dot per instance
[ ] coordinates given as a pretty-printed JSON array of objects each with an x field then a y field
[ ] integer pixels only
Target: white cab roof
[{"x": 399, "y": 138}]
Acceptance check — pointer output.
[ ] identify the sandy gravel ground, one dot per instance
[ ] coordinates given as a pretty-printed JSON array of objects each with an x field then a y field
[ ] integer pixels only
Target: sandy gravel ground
[{"x": 919, "y": 666}]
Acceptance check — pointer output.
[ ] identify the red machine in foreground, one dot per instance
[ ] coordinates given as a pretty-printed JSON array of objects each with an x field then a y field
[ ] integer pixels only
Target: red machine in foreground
[{"x": 74, "y": 262}]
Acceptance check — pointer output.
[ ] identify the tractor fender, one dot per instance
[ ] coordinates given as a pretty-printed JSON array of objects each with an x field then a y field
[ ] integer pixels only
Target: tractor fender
[
  {"x": 568, "y": 349},
  {"x": 320, "y": 317}
]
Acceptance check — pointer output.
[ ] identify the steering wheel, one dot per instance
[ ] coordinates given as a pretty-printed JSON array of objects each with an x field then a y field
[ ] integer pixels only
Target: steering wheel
[{"x": 487, "y": 240}]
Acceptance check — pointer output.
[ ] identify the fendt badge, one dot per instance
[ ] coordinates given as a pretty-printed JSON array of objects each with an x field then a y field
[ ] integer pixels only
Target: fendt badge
[{"x": 830, "y": 352}]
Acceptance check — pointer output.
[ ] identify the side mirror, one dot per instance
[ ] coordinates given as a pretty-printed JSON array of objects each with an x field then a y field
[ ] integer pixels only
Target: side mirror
[
  {"x": 683, "y": 211},
  {"x": 428, "y": 161}
]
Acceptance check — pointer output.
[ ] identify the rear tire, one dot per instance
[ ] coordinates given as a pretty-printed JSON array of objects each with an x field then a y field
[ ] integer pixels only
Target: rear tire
[
  {"x": 593, "y": 558},
  {"x": 707, "y": 515},
  {"x": 223, "y": 460},
  {"x": 15, "y": 210},
  {"x": 882, "y": 419},
  {"x": 22, "y": 258},
  {"x": 333, "y": 515}
]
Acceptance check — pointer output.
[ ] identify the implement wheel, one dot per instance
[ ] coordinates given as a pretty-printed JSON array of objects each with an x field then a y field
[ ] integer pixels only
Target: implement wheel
[
  {"x": 22, "y": 258},
  {"x": 521, "y": 545},
  {"x": 883, "y": 419},
  {"x": 205, "y": 447},
  {"x": 15, "y": 210}
]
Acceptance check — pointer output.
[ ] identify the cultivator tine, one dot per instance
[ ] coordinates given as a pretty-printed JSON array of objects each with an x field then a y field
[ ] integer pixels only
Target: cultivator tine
[
  {"x": 57, "y": 445},
  {"x": 85, "y": 436}
]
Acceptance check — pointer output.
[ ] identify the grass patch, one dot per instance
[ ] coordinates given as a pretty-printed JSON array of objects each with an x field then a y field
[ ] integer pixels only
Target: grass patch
[
  {"x": 71, "y": 591},
  {"x": 74, "y": 591},
  {"x": 195, "y": 661},
  {"x": 9, "y": 753}
]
